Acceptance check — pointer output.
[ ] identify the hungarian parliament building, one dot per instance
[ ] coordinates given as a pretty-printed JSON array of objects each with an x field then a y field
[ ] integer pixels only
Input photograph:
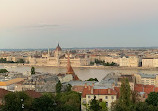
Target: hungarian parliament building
[{"x": 59, "y": 58}]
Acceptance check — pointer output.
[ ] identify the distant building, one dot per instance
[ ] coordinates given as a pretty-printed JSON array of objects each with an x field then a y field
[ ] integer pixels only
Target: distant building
[
  {"x": 131, "y": 79},
  {"x": 150, "y": 62},
  {"x": 10, "y": 84},
  {"x": 70, "y": 74},
  {"x": 129, "y": 61},
  {"x": 147, "y": 79},
  {"x": 58, "y": 58}
]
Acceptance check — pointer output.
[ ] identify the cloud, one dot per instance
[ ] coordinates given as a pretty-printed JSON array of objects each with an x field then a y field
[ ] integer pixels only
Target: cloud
[{"x": 40, "y": 26}]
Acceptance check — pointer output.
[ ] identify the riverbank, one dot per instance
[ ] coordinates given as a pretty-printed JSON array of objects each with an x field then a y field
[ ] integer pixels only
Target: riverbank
[{"x": 92, "y": 67}]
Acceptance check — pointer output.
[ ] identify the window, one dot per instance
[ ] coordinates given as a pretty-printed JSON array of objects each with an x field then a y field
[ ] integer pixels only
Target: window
[
  {"x": 107, "y": 104},
  {"x": 112, "y": 97},
  {"x": 100, "y": 100},
  {"x": 89, "y": 96},
  {"x": 106, "y": 97}
]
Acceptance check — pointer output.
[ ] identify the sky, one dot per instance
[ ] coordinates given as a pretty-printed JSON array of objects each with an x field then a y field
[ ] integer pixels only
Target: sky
[{"x": 78, "y": 23}]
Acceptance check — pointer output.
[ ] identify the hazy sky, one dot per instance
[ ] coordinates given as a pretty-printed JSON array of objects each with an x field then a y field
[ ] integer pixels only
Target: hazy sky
[{"x": 78, "y": 23}]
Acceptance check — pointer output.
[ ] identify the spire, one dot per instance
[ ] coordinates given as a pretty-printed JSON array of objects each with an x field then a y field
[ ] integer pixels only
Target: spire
[
  {"x": 48, "y": 52},
  {"x": 70, "y": 70},
  {"x": 69, "y": 67}
]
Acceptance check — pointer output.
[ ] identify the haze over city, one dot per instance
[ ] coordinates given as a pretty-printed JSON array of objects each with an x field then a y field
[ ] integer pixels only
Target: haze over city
[{"x": 78, "y": 23}]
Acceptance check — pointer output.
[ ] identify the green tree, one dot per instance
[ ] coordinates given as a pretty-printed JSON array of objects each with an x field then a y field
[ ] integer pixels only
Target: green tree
[
  {"x": 92, "y": 79},
  {"x": 70, "y": 100},
  {"x": 21, "y": 61},
  {"x": 17, "y": 101},
  {"x": 125, "y": 92},
  {"x": 44, "y": 103},
  {"x": 58, "y": 87},
  {"x": 3, "y": 70},
  {"x": 69, "y": 87},
  {"x": 103, "y": 106},
  {"x": 124, "y": 102},
  {"x": 32, "y": 70},
  {"x": 152, "y": 99},
  {"x": 94, "y": 105}
]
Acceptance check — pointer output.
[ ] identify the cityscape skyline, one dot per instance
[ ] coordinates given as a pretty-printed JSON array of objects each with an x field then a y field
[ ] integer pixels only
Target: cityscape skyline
[{"x": 85, "y": 23}]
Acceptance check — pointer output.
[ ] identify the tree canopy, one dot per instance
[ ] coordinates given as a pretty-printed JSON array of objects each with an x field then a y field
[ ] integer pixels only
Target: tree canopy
[
  {"x": 3, "y": 70},
  {"x": 32, "y": 70},
  {"x": 92, "y": 79}
]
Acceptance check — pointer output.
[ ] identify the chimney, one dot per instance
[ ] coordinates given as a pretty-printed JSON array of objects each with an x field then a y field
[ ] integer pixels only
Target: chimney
[
  {"x": 92, "y": 84},
  {"x": 89, "y": 87},
  {"x": 85, "y": 86},
  {"x": 92, "y": 88},
  {"x": 109, "y": 91}
]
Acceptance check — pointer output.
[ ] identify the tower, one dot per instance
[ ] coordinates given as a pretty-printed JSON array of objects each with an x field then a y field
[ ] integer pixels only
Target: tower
[
  {"x": 58, "y": 51},
  {"x": 48, "y": 52},
  {"x": 70, "y": 70}
]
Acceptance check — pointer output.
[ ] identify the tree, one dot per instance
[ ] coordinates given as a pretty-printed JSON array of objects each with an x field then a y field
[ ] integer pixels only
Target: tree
[
  {"x": 21, "y": 61},
  {"x": 3, "y": 70},
  {"x": 125, "y": 92},
  {"x": 69, "y": 87},
  {"x": 124, "y": 102},
  {"x": 103, "y": 106},
  {"x": 44, "y": 103},
  {"x": 152, "y": 99},
  {"x": 134, "y": 97},
  {"x": 92, "y": 79},
  {"x": 69, "y": 100},
  {"x": 58, "y": 87},
  {"x": 32, "y": 70},
  {"x": 94, "y": 105},
  {"x": 17, "y": 101}
]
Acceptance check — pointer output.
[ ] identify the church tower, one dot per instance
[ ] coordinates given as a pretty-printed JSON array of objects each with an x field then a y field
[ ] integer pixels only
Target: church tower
[{"x": 70, "y": 70}]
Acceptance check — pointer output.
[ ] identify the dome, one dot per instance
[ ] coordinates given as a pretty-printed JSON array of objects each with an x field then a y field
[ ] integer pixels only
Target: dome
[{"x": 58, "y": 48}]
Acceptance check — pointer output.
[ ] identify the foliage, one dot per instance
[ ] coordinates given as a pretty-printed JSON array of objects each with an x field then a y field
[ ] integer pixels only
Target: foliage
[
  {"x": 58, "y": 87},
  {"x": 94, "y": 105},
  {"x": 103, "y": 106},
  {"x": 70, "y": 100},
  {"x": 32, "y": 70},
  {"x": 124, "y": 103},
  {"x": 134, "y": 97},
  {"x": 3, "y": 70},
  {"x": 44, "y": 103},
  {"x": 68, "y": 87},
  {"x": 5, "y": 61},
  {"x": 93, "y": 79},
  {"x": 100, "y": 62},
  {"x": 21, "y": 61},
  {"x": 67, "y": 101},
  {"x": 125, "y": 92},
  {"x": 152, "y": 99},
  {"x": 17, "y": 101}
]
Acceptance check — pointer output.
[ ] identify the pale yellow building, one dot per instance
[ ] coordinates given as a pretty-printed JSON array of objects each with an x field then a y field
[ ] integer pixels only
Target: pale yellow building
[
  {"x": 130, "y": 61},
  {"x": 103, "y": 95},
  {"x": 150, "y": 62},
  {"x": 147, "y": 79}
]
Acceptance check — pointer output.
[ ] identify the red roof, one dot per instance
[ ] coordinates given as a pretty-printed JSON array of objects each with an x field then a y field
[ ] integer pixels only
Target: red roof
[
  {"x": 78, "y": 88},
  {"x": 145, "y": 88},
  {"x": 3, "y": 92},
  {"x": 89, "y": 90},
  {"x": 33, "y": 94}
]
